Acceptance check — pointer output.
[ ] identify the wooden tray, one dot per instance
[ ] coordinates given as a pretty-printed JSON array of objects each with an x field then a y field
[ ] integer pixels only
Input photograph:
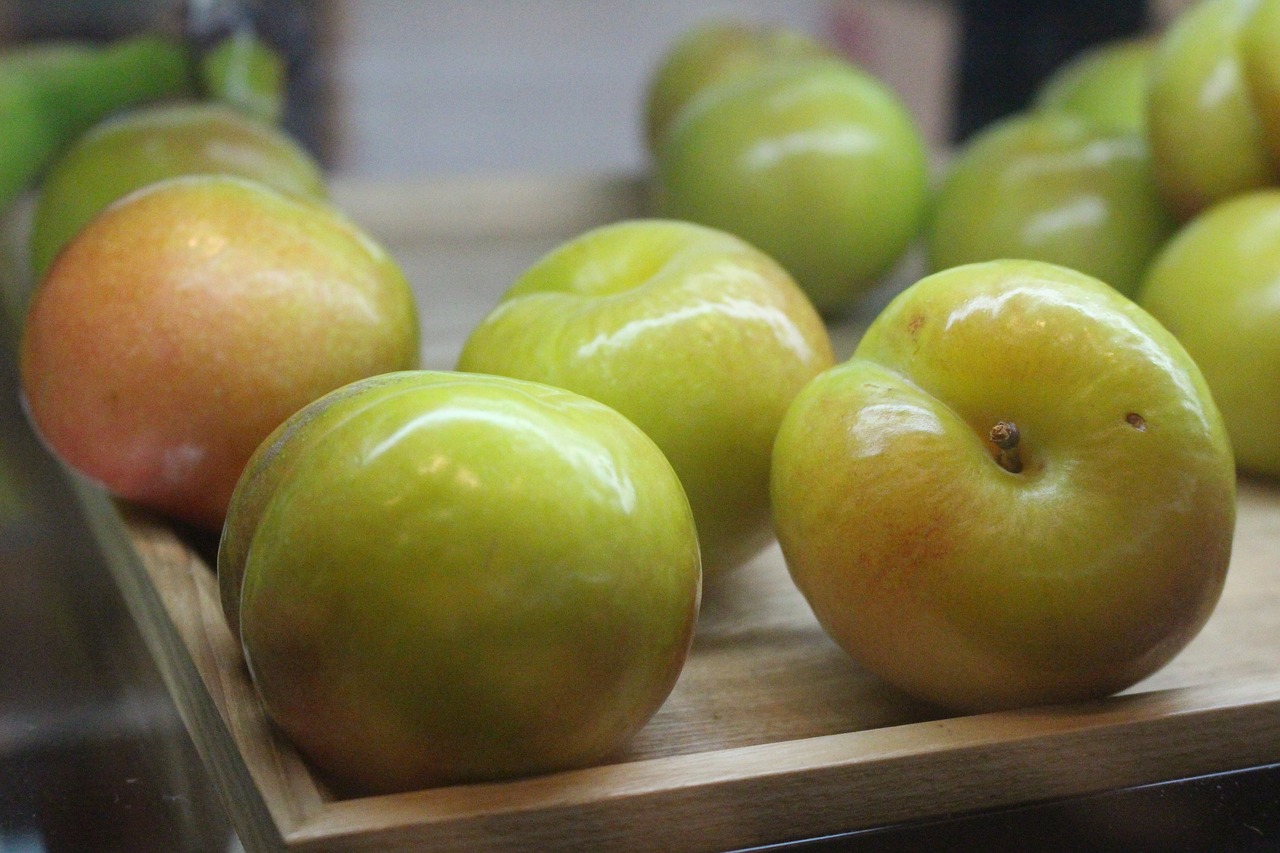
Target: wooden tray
[{"x": 771, "y": 733}]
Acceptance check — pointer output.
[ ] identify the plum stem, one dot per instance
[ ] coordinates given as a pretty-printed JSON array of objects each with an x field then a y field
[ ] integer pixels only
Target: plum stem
[{"x": 1004, "y": 435}]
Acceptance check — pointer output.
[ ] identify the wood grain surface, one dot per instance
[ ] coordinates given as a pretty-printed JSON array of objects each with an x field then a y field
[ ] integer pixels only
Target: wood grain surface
[{"x": 771, "y": 732}]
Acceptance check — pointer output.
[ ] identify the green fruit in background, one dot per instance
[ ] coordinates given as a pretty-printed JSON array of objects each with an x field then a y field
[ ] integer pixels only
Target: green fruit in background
[
  {"x": 1052, "y": 187},
  {"x": 17, "y": 507},
  {"x": 1260, "y": 47},
  {"x": 458, "y": 578},
  {"x": 247, "y": 73},
  {"x": 51, "y": 93},
  {"x": 1107, "y": 85},
  {"x": 1216, "y": 286},
  {"x": 1206, "y": 134},
  {"x": 712, "y": 53},
  {"x": 148, "y": 144},
  {"x": 815, "y": 162}
]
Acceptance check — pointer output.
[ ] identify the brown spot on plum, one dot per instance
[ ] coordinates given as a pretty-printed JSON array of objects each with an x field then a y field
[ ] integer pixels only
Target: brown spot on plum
[
  {"x": 915, "y": 324},
  {"x": 1136, "y": 421}
]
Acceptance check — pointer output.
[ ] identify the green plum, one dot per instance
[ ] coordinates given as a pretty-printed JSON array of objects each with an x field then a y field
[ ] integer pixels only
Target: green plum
[
  {"x": 136, "y": 148},
  {"x": 1206, "y": 135},
  {"x": 1052, "y": 187},
  {"x": 188, "y": 320},
  {"x": 815, "y": 162},
  {"x": 52, "y": 91},
  {"x": 1107, "y": 85},
  {"x": 712, "y": 53},
  {"x": 693, "y": 334},
  {"x": 1216, "y": 286},
  {"x": 1017, "y": 491},
  {"x": 452, "y": 578},
  {"x": 1260, "y": 47},
  {"x": 245, "y": 71}
]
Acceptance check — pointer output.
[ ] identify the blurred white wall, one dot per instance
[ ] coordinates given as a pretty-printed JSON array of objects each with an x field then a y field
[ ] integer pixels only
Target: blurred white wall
[{"x": 446, "y": 87}]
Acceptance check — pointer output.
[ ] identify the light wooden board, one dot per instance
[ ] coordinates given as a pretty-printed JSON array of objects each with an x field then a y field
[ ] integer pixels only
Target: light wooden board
[{"x": 771, "y": 733}]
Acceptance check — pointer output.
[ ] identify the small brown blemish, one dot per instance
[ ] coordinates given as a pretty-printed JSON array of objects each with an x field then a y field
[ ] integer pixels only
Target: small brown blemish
[
  {"x": 1136, "y": 421},
  {"x": 915, "y": 324}
]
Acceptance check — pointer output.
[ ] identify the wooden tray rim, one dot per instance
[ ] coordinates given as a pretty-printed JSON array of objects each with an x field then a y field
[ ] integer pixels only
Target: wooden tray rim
[{"x": 812, "y": 786}]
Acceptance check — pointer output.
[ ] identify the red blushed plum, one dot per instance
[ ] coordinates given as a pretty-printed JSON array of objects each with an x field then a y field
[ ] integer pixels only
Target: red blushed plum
[{"x": 188, "y": 320}]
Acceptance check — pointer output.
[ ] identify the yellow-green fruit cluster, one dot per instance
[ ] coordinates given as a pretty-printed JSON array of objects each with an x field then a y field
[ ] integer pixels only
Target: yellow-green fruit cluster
[{"x": 792, "y": 148}]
